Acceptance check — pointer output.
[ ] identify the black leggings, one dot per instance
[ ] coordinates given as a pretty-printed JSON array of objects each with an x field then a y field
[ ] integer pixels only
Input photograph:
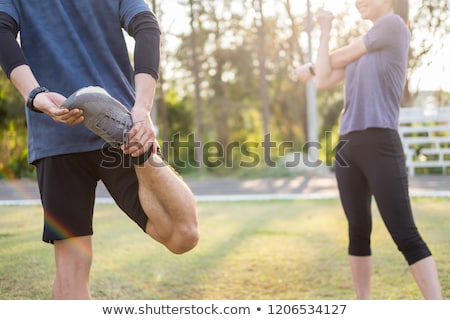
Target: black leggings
[{"x": 372, "y": 163}]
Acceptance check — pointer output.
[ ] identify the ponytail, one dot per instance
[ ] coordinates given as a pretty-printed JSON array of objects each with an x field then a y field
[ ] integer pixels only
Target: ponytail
[{"x": 401, "y": 7}]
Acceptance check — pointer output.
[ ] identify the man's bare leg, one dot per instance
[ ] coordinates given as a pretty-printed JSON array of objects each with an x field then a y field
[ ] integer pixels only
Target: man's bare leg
[
  {"x": 169, "y": 205},
  {"x": 73, "y": 263},
  {"x": 165, "y": 198}
]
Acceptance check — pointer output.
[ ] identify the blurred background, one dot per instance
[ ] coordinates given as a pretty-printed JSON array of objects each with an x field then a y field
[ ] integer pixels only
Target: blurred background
[{"x": 228, "y": 101}]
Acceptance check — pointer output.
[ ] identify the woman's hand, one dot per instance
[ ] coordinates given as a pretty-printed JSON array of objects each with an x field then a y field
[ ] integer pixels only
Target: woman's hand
[
  {"x": 303, "y": 72},
  {"x": 325, "y": 20}
]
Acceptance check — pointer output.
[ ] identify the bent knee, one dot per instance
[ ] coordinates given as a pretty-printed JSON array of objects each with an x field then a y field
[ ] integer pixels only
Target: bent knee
[{"x": 184, "y": 240}]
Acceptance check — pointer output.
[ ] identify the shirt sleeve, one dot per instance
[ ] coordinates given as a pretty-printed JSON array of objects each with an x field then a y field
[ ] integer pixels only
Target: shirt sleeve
[
  {"x": 11, "y": 55},
  {"x": 6, "y": 6},
  {"x": 129, "y": 9},
  {"x": 145, "y": 29},
  {"x": 385, "y": 33}
]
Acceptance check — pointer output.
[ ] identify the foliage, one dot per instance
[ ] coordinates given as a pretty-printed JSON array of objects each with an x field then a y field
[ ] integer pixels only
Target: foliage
[
  {"x": 228, "y": 77},
  {"x": 13, "y": 133},
  {"x": 432, "y": 16},
  {"x": 13, "y": 156},
  {"x": 11, "y": 103}
]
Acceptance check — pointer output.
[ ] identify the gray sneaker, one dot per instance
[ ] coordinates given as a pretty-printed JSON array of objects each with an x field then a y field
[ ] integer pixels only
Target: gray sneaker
[{"x": 103, "y": 115}]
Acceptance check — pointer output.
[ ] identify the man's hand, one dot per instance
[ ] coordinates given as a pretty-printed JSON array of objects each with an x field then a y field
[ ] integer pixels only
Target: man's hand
[
  {"x": 142, "y": 135},
  {"x": 50, "y": 104}
]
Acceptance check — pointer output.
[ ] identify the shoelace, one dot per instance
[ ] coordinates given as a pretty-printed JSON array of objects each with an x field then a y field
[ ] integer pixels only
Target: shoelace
[{"x": 114, "y": 129}]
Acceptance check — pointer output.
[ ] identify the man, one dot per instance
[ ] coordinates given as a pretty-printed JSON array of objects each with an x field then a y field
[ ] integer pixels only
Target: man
[{"x": 72, "y": 44}]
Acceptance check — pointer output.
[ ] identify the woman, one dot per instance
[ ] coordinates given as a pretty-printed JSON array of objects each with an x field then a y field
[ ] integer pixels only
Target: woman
[{"x": 370, "y": 159}]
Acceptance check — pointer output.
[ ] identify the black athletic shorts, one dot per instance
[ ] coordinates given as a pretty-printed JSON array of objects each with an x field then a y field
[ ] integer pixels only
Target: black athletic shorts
[{"x": 67, "y": 185}]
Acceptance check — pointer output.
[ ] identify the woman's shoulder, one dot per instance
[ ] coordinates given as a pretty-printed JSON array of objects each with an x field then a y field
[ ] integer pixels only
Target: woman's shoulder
[
  {"x": 392, "y": 24},
  {"x": 393, "y": 19}
]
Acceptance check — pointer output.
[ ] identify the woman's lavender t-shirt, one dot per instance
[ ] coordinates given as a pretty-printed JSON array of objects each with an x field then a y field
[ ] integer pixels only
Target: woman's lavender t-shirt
[{"x": 374, "y": 83}]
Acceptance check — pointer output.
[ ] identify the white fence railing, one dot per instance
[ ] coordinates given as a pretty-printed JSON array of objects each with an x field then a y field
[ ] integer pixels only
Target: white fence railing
[{"x": 425, "y": 134}]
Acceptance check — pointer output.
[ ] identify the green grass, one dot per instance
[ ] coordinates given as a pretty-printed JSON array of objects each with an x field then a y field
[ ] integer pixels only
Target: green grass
[{"x": 248, "y": 250}]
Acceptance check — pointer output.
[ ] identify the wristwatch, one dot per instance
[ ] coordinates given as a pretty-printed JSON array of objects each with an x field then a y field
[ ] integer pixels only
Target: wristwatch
[
  {"x": 33, "y": 94},
  {"x": 311, "y": 69}
]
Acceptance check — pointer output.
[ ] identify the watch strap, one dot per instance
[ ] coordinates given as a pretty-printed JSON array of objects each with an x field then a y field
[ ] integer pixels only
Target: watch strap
[
  {"x": 32, "y": 95},
  {"x": 311, "y": 69}
]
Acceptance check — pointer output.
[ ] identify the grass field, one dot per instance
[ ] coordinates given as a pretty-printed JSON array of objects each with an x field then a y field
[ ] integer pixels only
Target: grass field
[{"x": 248, "y": 250}]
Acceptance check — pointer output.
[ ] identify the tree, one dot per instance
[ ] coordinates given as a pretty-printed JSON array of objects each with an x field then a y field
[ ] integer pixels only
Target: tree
[
  {"x": 230, "y": 79},
  {"x": 13, "y": 133},
  {"x": 11, "y": 103},
  {"x": 428, "y": 26},
  {"x": 261, "y": 50},
  {"x": 160, "y": 101}
]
